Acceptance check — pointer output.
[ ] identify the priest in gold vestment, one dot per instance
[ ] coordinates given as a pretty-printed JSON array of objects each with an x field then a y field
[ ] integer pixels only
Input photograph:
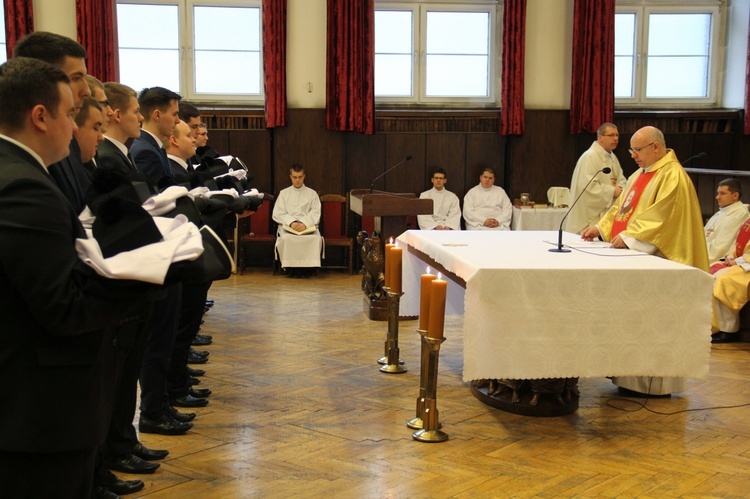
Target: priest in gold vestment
[
  {"x": 731, "y": 288},
  {"x": 658, "y": 213}
]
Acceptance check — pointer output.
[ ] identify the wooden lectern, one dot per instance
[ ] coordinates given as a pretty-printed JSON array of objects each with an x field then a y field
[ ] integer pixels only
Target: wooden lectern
[{"x": 390, "y": 211}]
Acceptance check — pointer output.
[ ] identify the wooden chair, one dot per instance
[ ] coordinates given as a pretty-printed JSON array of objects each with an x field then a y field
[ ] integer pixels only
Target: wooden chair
[
  {"x": 334, "y": 225},
  {"x": 261, "y": 231}
]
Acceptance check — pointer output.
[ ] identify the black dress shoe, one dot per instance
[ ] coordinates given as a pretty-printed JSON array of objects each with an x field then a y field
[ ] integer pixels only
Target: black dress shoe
[
  {"x": 200, "y": 353},
  {"x": 624, "y": 392},
  {"x": 195, "y": 372},
  {"x": 200, "y": 341},
  {"x": 209, "y": 303},
  {"x": 189, "y": 401},
  {"x": 196, "y": 359},
  {"x": 182, "y": 417},
  {"x": 112, "y": 486},
  {"x": 207, "y": 336},
  {"x": 101, "y": 492},
  {"x": 193, "y": 381},
  {"x": 130, "y": 463},
  {"x": 163, "y": 425},
  {"x": 722, "y": 337},
  {"x": 144, "y": 452},
  {"x": 199, "y": 392}
]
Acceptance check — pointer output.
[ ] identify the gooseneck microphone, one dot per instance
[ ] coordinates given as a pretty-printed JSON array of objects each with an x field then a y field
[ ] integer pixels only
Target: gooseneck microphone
[
  {"x": 606, "y": 170},
  {"x": 372, "y": 185},
  {"x": 691, "y": 158}
]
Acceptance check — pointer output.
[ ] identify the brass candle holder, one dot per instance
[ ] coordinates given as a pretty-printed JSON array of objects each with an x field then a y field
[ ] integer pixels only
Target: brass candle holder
[
  {"x": 393, "y": 363},
  {"x": 416, "y": 423},
  {"x": 430, "y": 431}
]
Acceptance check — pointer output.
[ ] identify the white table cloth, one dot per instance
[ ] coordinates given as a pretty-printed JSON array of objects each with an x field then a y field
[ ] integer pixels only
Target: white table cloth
[
  {"x": 537, "y": 219},
  {"x": 594, "y": 312}
]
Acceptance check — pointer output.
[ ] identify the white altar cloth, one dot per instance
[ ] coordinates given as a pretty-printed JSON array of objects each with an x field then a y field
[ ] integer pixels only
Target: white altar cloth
[
  {"x": 537, "y": 219},
  {"x": 594, "y": 312}
]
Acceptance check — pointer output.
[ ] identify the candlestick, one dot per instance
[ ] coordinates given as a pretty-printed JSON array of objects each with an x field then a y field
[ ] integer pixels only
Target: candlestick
[
  {"x": 396, "y": 259},
  {"x": 438, "y": 293},
  {"x": 424, "y": 299}
]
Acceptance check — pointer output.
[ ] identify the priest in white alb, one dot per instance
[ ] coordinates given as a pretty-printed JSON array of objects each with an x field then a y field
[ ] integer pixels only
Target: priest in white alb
[
  {"x": 601, "y": 193},
  {"x": 721, "y": 229},
  {"x": 487, "y": 206},
  {"x": 297, "y": 211},
  {"x": 658, "y": 213},
  {"x": 446, "y": 212}
]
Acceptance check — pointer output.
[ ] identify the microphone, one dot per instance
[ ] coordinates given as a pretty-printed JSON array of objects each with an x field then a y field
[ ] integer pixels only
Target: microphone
[
  {"x": 699, "y": 155},
  {"x": 408, "y": 158},
  {"x": 606, "y": 170}
]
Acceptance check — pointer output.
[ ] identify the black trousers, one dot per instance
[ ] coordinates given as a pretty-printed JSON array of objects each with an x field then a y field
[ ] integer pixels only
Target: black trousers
[{"x": 63, "y": 475}]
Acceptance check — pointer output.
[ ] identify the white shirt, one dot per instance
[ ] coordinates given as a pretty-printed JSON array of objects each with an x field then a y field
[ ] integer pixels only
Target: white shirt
[
  {"x": 721, "y": 229},
  {"x": 300, "y": 205},
  {"x": 481, "y": 204},
  {"x": 445, "y": 210}
]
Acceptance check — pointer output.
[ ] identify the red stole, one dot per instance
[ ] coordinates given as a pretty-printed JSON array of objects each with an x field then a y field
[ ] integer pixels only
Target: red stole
[
  {"x": 743, "y": 236},
  {"x": 622, "y": 217}
]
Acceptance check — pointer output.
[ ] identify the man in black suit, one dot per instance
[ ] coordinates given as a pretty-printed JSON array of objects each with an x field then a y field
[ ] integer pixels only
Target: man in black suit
[
  {"x": 160, "y": 110},
  {"x": 124, "y": 125},
  {"x": 69, "y": 173},
  {"x": 57, "y": 314}
]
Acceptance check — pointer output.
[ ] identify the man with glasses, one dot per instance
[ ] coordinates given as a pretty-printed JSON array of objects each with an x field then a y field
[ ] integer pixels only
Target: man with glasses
[
  {"x": 604, "y": 189},
  {"x": 664, "y": 219},
  {"x": 446, "y": 212}
]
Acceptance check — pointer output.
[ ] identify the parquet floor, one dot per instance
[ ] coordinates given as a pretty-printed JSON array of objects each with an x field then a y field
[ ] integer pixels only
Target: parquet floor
[{"x": 300, "y": 409}]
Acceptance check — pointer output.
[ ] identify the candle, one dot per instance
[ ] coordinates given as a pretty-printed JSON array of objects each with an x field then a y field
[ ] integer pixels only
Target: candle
[
  {"x": 438, "y": 292},
  {"x": 424, "y": 299},
  {"x": 395, "y": 259},
  {"x": 386, "y": 271}
]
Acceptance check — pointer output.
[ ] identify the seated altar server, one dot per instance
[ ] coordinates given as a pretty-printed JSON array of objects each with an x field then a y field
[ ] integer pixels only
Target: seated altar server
[
  {"x": 297, "y": 211},
  {"x": 721, "y": 229},
  {"x": 446, "y": 212},
  {"x": 487, "y": 206}
]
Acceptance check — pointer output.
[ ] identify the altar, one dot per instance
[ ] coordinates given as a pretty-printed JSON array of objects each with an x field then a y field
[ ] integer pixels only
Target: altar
[{"x": 595, "y": 312}]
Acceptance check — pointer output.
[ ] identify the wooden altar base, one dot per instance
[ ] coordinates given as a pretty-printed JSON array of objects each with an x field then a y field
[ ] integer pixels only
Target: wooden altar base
[
  {"x": 375, "y": 310},
  {"x": 547, "y": 407}
]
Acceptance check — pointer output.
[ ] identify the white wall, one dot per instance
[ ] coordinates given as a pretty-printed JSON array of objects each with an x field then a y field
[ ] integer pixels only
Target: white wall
[
  {"x": 57, "y": 16},
  {"x": 306, "y": 53},
  {"x": 736, "y": 54}
]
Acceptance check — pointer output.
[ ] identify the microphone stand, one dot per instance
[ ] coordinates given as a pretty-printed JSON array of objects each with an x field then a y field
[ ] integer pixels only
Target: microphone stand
[
  {"x": 560, "y": 249},
  {"x": 372, "y": 185}
]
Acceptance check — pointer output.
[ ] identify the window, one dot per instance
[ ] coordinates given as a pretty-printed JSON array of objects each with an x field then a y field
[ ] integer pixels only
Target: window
[
  {"x": 666, "y": 53},
  {"x": 206, "y": 50},
  {"x": 3, "y": 43},
  {"x": 435, "y": 52}
]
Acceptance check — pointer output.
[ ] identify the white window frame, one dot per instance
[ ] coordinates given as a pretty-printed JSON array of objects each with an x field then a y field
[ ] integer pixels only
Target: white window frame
[
  {"x": 419, "y": 11},
  {"x": 642, "y": 10},
  {"x": 3, "y": 45},
  {"x": 186, "y": 49}
]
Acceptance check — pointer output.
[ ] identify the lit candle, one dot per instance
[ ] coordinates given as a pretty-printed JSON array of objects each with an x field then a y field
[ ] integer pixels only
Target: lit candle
[
  {"x": 424, "y": 299},
  {"x": 438, "y": 293},
  {"x": 395, "y": 258},
  {"x": 386, "y": 271}
]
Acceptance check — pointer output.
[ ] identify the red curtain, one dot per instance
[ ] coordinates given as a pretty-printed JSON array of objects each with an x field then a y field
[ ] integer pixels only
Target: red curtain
[
  {"x": 274, "y": 61},
  {"x": 19, "y": 22},
  {"x": 350, "y": 66},
  {"x": 512, "y": 119},
  {"x": 97, "y": 32},
  {"x": 592, "y": 97}
]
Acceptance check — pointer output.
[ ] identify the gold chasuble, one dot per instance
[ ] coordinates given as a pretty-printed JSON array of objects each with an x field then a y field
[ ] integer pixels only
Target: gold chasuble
[{"x": 667, "y": 213}]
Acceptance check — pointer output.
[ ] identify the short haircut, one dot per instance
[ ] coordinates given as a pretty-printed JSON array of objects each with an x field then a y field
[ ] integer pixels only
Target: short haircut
[
  {"x": 83, "y": 114},
  {"x": 487, "y": 169},
  {"x": 49, "y": 47},
  {"x": 733, "y": 185},
  {"x": 296, "y": 168},
  {"x": 176, "y": 131},
  {"x": 439, "y": 170},
  {"x": 93, "y": 83},
  {"x": 118, "y": 95},
  {"x": 155, "y": 98},
  {"x": 603, "y": 128},
  {"x": 26, "y": 83},
  {"x": 203, "y": 125},
  {"x": 188, "y": 111}
]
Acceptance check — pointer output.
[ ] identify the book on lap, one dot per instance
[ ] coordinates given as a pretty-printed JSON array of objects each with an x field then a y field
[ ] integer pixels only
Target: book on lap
[{"x": 308, "y": 230}]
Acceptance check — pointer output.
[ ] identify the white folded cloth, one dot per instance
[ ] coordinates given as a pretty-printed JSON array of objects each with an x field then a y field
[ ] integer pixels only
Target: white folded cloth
[
  {"x": 165, "y": 201},
  {"x": 238, "y": 174},
  {"x": 182, "y": 241},
  {"x": 558, "y": 196}
]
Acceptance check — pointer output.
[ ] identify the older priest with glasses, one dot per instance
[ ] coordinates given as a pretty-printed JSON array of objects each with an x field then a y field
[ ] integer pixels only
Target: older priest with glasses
[{"x": 658, "y": 213}]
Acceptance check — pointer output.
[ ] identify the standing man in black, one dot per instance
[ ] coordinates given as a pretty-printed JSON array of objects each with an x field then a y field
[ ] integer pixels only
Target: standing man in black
[{"x": 57, "y": 314}]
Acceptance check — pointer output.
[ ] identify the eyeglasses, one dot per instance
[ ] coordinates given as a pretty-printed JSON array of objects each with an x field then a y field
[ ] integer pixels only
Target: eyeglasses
[{"x": 637, "y": 150}]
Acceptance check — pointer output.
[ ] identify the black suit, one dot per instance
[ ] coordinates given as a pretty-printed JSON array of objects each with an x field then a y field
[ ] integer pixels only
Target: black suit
[
  {"x": 108, "y": 155},
  {"x": 71, "y": 177},
  {"x": 56, "y": 335},
  {"x": 150, "y": 159}
]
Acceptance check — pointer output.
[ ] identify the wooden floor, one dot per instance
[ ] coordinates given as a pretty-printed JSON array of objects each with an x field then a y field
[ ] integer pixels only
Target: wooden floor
[{"x": 300, "y": 409}]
